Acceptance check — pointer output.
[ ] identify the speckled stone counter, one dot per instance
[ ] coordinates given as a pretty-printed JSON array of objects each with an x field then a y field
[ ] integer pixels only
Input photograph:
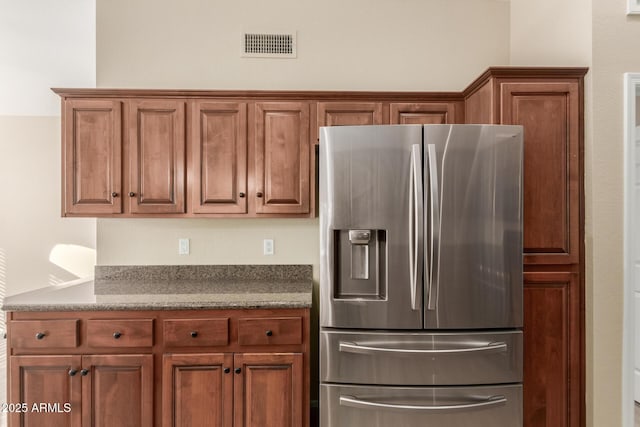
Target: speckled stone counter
[{"x": 175, "y": 288}]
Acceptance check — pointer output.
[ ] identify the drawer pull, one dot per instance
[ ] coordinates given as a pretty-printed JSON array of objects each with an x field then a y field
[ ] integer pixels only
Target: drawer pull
[
  {"x": 84, "y": 372},
  {"x": 269, "y": 333},
  {"x": 237, "y": 370},
  {"x": 72, "y": 372},
  {"x": 227, "y": 370},
  {"x": 117, "y": 335},
  {"x": 40, "y": 335},
  {"x": 194, "y": 334}
]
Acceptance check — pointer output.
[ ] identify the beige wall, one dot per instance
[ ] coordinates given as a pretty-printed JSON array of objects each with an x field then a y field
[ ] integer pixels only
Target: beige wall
[
  {"x": 550, "y": 32},
  {"x": 615, "y": 43},
  {"x": 30, "y": 222},
  {"x": 351, "y": 45}
]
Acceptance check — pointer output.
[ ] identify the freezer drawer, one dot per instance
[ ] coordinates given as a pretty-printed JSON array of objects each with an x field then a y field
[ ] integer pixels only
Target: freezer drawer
[
  {"x": 415, "y": 358},
  {"x": 482, "y": 406}
]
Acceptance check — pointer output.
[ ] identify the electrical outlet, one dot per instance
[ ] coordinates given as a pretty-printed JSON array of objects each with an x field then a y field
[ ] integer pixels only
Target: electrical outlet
[
  {"x": 267, "y": 246},
  {"x": 183, "y": 246}
]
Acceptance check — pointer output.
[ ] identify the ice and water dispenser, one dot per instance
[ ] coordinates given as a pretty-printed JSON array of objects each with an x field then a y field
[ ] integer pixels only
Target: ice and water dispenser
[{"x": 360, "y": 261}]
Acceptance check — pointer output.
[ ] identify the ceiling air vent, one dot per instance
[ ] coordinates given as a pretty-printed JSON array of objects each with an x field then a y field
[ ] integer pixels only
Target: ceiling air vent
[{"x": 269, "y": 45}]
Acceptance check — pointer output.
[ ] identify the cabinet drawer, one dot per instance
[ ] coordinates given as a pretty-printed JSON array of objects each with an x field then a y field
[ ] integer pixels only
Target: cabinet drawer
[
  {"x": 44, "y": 333},
  {"x": 196, "y": 332},
  {"x": 120, "y": 333},
  {"x": 268, "y": 331}
]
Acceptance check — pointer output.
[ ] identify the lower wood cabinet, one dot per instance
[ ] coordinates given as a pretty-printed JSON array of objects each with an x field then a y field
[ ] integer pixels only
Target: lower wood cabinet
[
  {"x": 74, "y": 391},
  {"x": 181, "y": 368},
  {"x": 552, "y": 350},
  {"x": 224, "y": 390}
]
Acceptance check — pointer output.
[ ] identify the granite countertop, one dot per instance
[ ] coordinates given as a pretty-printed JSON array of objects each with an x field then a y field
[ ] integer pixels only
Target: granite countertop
[{"x": 175, "y": 288}]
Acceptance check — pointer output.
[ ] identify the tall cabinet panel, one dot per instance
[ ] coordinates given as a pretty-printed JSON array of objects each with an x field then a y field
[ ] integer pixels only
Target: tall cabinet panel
[
  {"x": 156, "y": 156},
  {"x": 91, "y": 156},
  {"x": 281, "y": 157},
  {"x": 552, "y": 364},
  {"x": 549, "y": 113},
  {"x": 218, "y": 157},
  {"x": 548, "y": 104}
]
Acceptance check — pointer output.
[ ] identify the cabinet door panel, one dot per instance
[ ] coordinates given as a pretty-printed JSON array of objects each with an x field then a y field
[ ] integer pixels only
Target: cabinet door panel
[
  {"x": 219, "y": 157},
  {"x": 196, "y": 391},
  {"x": 92, "y": 149},
  {"x": 418, "y": 113},
  {"x": 552, "y": 350},
  {"x": 268, "y": 390},
  {"x": 118, "y": 391},
  {"x": 281, "y": 154},
  {"x": 46, "y": 380},
  {"x": 549, "y": 113},
  {"x": 156, "y": 156}
]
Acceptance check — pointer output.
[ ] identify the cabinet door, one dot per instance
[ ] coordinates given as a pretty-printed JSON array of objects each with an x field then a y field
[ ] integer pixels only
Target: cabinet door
[
  {"x": 281, "y": 158},
  {"x": 422, "y": 113},
  {"x": 197, "y": 390},
  {"x": 117, "y": 390},
  {"x": 91, "y": 157},
  {"x": 156, "y": 156},
  {"x": 219, "y": 157},
  {"x": 552, "y": 350},
  {"x": 268, "y": 389},
  {"x": 37, "y": 380},
  {"x": 349, "y": 113},
  {"x": 550, "y": 115}
]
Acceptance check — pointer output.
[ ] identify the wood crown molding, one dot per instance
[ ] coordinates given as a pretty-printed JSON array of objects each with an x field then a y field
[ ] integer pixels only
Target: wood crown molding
[{"x": 399, "y": 96}]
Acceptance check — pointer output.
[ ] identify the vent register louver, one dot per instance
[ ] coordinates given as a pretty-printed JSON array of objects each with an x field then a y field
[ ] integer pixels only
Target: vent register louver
[{"x": 269, "y": 45}]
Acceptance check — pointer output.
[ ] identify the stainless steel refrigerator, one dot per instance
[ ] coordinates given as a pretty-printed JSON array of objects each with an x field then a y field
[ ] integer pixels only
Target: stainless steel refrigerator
[{"x": 421, "y": 276}]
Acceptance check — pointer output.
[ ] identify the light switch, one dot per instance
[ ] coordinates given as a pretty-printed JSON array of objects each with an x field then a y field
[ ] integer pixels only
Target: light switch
[
  {"x": 183, "y": 246},
  {"x": 267, "y": 245}
]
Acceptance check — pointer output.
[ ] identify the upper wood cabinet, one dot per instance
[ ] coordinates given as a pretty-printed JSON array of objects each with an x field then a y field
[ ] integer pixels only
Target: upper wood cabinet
[
  {"x": 281, "y": 158},
  {"x": 550, "y": 115},
  {"x": 349, "y": 113},
  {"x": 218, "y": 145},
  {"x": 92, "y": 156},
  {"x": 157, "y": 139},
  {"x": 418, "y": 113}
]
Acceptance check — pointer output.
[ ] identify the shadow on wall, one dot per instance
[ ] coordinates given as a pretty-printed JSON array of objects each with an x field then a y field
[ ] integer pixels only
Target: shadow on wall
[{"x": 75, "y": 260}]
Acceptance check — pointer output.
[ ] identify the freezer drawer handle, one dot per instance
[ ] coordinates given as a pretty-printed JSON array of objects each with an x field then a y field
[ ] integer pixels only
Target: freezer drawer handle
[
  {"x": 349, "y": 347},
  {"x": 357, "y": 403}
]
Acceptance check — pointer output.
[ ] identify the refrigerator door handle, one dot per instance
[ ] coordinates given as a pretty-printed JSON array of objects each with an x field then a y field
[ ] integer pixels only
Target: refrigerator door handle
[
  {"x": 358, "y": 403},
  {"x": 416, "y": 231},
  {"x": 434, "y": 251},
  {"x": 349, "y": 347}
]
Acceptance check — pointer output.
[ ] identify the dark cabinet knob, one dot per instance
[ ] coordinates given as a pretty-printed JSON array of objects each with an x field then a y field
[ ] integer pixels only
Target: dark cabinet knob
[
  {"x": 72, "y": 372},
  {"x": 194, "y": 334},
  {"x": 259, "y": 194},
  {"x": 84, "y": 372},
  {"x": 241, "y": 194},
  {"x": 40, "y": 335},
  {"x": 117, "y": 335},
  {"x": 227, "y": 370},
  {"x": 132, "y": 194},
  {"x": 237, "y": 370},
  {"x": 114, "y": 194},
  {"x": 269, "y": 333}
]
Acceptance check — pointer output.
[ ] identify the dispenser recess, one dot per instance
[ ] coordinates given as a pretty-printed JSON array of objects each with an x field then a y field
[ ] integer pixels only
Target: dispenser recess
[{"x": 360, "y": 260}]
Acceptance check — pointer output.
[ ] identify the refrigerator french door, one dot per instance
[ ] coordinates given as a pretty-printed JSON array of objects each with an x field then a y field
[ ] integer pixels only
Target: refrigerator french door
[{"x": 421, "y": 274}]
